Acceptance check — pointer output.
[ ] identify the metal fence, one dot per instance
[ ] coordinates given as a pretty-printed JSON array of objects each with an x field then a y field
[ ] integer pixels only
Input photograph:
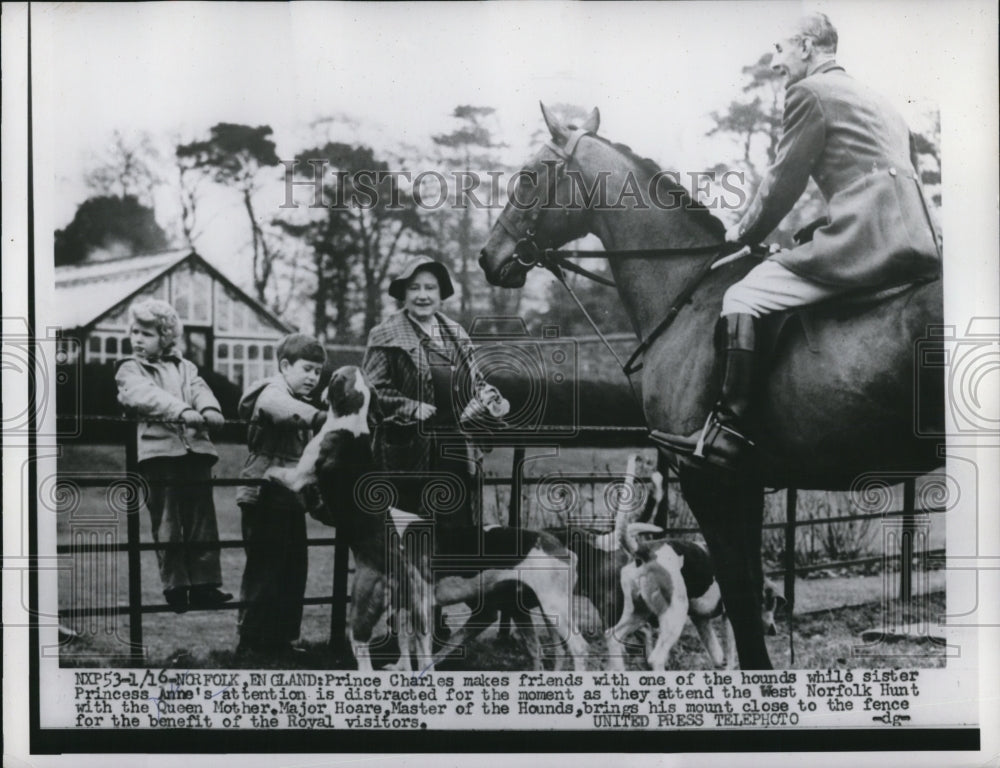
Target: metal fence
[{"x": 911, "y": 539}]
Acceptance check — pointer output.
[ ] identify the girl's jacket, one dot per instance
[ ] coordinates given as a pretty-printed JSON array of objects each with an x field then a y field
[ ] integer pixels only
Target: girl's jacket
[{"x": 158, "y": 391}]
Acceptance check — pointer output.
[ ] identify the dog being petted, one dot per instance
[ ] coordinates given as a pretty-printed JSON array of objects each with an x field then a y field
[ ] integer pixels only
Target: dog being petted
[{"x": 396, "y": 567}]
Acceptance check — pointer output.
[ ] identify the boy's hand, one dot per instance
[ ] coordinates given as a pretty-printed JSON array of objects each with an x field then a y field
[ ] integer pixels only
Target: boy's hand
[
  {"x": 213, "y": 418},
  {"x": 425, "y": 411},
  {"x": 192, "y": 418}
]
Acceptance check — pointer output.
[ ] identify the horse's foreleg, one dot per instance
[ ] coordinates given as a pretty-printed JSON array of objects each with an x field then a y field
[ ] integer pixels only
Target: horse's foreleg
[{"x": 729, "y": 522}]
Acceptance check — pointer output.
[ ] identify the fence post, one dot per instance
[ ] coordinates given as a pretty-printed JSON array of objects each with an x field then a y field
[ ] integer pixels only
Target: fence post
[
  {"x": 134, "y": 561},
  {"x": 513, "y": 520},
  {"x": 338, "y": 610},
  {"x": 516, "y": 485},
  {"x": 906, "y": 547},
  {"x": 791, "y": 504}
]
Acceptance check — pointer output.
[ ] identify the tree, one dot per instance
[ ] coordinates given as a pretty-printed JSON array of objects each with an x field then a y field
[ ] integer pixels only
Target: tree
[
  {"x": 469, "y": 149},
  {"x": 368, "y": 220},
  {"x": 108, "y": 227},
  {"x": 925, "y": 151},
  {"x": 759, "y": 117},
  {"x": 235, "y": 155},
  {"x": 127, "y": 169},
  {"x": 331, "y": 285},
  {"x": 755, "y": 124},
  {"x": 189, "y": 182}
]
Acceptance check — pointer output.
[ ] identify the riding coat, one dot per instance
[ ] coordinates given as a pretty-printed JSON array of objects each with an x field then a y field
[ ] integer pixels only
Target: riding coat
[
  {"x": 855, "y": 145},
  {"x": 403, "y": 364}
]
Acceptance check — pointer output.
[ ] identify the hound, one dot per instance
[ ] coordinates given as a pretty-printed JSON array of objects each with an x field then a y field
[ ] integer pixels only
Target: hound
[
  {"x": 600, "y": 559},
  {"x": 402, "y": 554},
  {"x": 666, "y": 576},
  {"x": 348, "y": 399},
  {"x": 653, "y": 589},
  {"x": 348, "y": 405},
  {"x": 703, "y": 594}
]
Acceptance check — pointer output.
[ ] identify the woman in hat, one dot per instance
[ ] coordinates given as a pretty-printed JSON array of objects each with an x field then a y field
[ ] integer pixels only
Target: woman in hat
[{"x": 420, "y": 364}]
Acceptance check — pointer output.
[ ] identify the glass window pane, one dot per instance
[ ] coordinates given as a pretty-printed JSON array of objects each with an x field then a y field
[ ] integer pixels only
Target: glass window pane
[
  {"x": 237, "y": 351},
  {"x": 222, "y": 351},
  {"x": 94, "y": 343},
  {"x": 201, "y": 288},
  {"x": 160, "y": 289},
  {"x": 269, "y": 352},
  {"x": 253, "y": 352},
  {"x": 239, "y": 316},
  {"x": 181, "y": 291},
  {"x": 222, "y": 310},
  {"x": 111, "y": 345}
]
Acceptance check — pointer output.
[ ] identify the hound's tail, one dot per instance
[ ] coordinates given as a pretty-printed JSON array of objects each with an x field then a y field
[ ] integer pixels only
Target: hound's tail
[{"x": 631, "y": 508}]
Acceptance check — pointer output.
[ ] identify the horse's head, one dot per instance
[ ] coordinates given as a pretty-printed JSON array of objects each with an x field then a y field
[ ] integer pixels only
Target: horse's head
[{"x": 544, "y": 210}]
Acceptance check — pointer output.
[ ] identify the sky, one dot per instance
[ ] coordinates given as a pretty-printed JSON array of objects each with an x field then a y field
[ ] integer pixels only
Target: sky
[{"x": 655, "y": 70}]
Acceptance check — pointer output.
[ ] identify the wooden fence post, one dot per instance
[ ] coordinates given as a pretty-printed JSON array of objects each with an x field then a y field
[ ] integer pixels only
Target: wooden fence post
[
  {"x": 516, "y": 484},
  {"x": 338, "y": 610},
  {"x": 513, "y": 520},
  {"x": 906, "y": 547},
  {"x": 791, "y": 503},
  {"x": 132, "y": 508}
]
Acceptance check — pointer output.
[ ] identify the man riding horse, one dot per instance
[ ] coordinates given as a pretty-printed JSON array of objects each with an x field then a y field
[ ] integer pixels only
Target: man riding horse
[{"x": 878, "y": 233}]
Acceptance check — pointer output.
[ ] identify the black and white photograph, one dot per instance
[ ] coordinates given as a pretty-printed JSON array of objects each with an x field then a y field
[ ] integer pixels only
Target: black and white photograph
[{"x": 413, "y": 379}]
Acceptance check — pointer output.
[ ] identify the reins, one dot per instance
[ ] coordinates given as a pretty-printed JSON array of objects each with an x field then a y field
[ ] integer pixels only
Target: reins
[{"x": 529, "y": 255}]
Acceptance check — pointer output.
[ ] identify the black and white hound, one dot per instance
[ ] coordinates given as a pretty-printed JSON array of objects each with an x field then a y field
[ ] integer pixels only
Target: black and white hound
[
  {"x": 403, "y": 556},
  {"x": 667, "y": 582}
]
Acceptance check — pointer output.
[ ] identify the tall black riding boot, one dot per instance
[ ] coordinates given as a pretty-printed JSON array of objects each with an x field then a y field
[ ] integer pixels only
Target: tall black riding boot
[{"x": 722, "y": 441}]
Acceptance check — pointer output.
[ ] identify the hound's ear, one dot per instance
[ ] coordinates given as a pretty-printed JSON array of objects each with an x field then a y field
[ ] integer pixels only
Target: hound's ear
[
  {"x": 593, "y": 121},
  {"x": 556, "y": 128}
]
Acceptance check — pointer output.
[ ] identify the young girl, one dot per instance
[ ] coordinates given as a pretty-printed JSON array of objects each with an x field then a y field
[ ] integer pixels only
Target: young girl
[{"x": 175, "y": 454}]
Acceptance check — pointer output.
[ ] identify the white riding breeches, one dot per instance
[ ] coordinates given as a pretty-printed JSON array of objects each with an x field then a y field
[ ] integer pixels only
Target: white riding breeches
[{"x": 770, "y": 287}]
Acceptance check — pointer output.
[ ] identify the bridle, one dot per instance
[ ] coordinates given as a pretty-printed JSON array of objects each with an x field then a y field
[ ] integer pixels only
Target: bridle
[
  {"x": 520, "y": 224},
  {"x": 529, "y": 254}
]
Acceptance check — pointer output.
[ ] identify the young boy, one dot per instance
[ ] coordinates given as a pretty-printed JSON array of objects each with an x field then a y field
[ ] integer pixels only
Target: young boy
[
  {"x": 274, "y": 525},
  {"x": 175, "y": 454}
]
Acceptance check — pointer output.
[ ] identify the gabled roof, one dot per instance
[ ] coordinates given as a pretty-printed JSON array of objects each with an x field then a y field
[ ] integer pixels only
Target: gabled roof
[{"x": 86, "y": 292}]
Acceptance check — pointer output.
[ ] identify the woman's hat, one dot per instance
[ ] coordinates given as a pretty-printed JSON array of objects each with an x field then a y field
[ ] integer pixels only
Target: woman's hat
[{"x": 397, "y": 288}]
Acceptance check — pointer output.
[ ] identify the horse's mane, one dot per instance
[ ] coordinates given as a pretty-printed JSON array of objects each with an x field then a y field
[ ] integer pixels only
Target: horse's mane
[{"x": 703, "y": 214}]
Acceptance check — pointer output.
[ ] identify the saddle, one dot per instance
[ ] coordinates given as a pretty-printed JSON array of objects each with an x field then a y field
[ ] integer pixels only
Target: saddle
[{"x": 774, "y": 328}]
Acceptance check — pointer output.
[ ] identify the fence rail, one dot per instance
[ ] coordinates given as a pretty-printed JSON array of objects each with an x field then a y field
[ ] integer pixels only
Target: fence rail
[{"x": 622, "y": 437}]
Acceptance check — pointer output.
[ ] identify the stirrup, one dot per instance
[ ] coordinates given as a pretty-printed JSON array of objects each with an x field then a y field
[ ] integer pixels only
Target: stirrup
[
  {"x": 716, "y": 444},
  {"x": 713, "y": 430}
]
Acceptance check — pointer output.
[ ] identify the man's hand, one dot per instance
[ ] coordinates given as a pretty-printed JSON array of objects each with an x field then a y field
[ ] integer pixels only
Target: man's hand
[
  {"x": 733, "y": 233},
  {"x": 192, "y": 418}
]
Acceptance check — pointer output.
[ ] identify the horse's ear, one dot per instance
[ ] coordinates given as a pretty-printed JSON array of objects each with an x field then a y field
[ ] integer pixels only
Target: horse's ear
[
  {"x": 557, "y": 129},
  {"x": 593, "y": 121}
]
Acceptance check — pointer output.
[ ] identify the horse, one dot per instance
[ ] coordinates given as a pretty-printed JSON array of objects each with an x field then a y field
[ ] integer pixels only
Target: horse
[{"x": 839, "y": 398}]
